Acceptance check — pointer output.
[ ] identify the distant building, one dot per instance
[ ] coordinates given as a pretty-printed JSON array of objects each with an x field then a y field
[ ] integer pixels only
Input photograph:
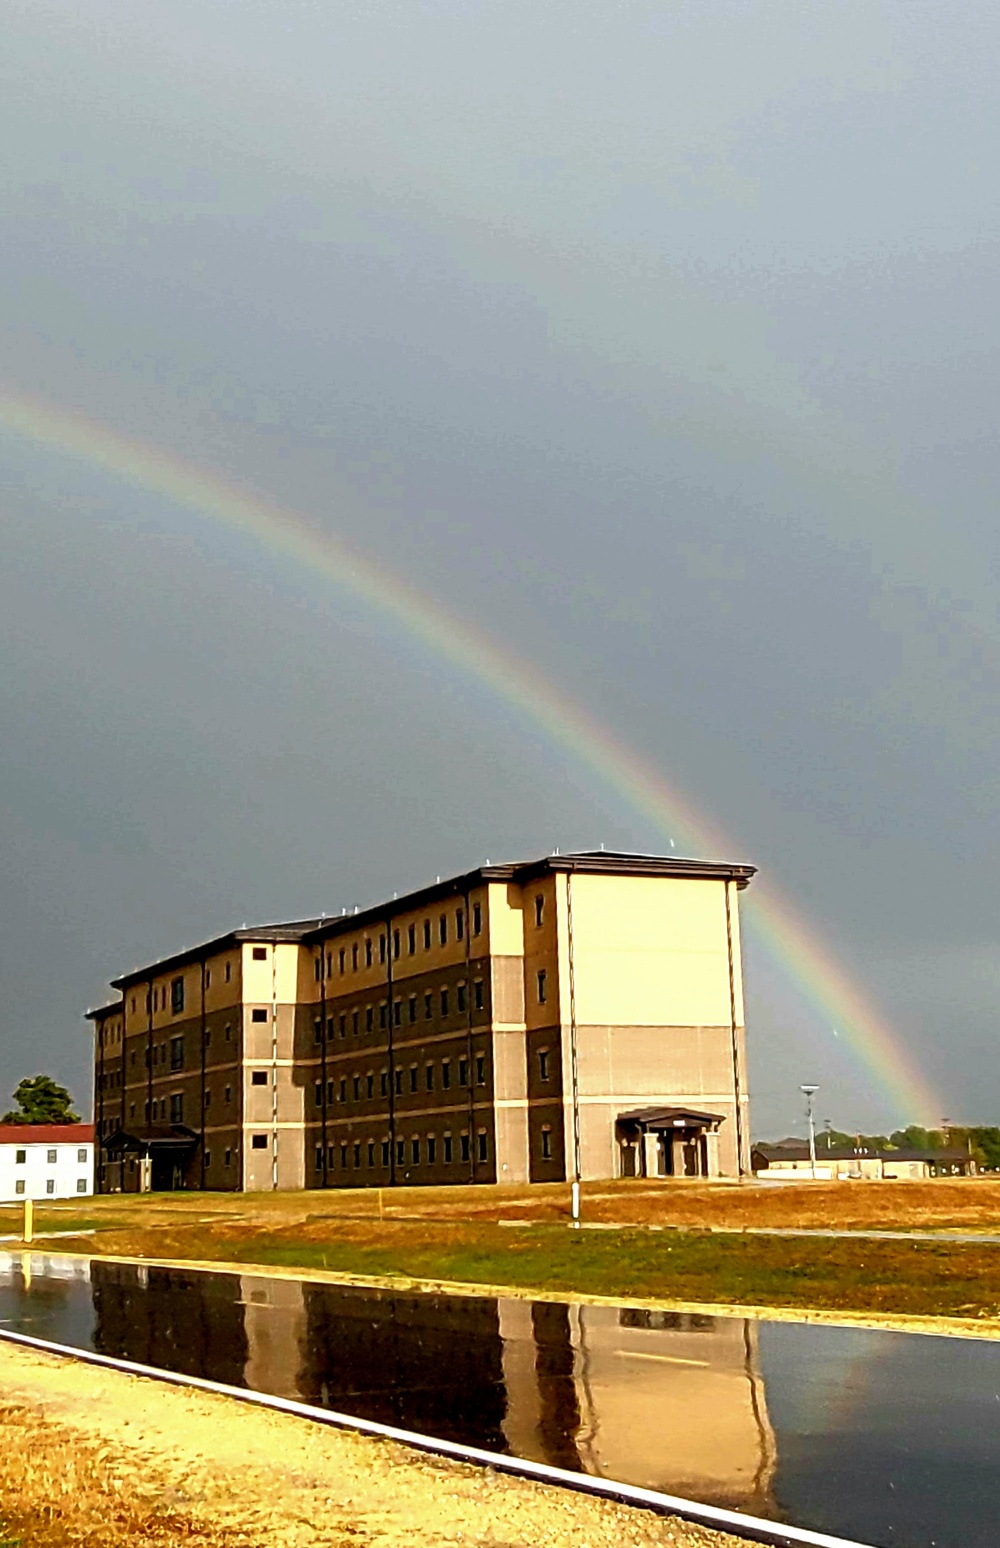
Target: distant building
[
  {"x": 488, "y": 1028},
  {"x": 46, "y": 1161},
  {"x": 790, "y": 1159}
]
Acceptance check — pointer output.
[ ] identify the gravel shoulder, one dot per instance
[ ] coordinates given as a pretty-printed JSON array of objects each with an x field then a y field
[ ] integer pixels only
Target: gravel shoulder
[{"x": 98, "y": 1457}]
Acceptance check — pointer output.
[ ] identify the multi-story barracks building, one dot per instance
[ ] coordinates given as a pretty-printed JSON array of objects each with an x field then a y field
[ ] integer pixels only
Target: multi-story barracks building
[{"x": 577, "y": 1015}]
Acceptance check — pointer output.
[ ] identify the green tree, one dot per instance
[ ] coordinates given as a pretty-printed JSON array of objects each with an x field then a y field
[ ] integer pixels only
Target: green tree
[{"x": 40, "y": 1100}]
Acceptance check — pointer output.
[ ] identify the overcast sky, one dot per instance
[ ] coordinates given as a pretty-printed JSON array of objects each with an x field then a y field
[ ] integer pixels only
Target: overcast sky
[{"x": 658, "y": 340}]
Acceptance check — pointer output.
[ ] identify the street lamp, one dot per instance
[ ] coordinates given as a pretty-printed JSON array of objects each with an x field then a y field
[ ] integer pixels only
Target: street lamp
[{"x": 809, "y": 1092}]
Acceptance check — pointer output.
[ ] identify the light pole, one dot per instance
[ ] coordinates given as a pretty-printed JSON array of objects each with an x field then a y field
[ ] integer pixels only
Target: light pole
[{"x": 809, "y": 1092}]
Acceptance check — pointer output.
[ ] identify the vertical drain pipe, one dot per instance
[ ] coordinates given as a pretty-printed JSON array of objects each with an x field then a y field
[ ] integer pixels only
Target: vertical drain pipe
[
  {"x": 322, "y": 1059},
  {"x": 274, "y": 1066},
  {"x": 468, "y": 1043},
  {"x": 573, "y": 1053},
  {"x": 734, "y": 1036},
  {"x": 391, "y": 1050},
  {"x": 201, "y": 1120}
]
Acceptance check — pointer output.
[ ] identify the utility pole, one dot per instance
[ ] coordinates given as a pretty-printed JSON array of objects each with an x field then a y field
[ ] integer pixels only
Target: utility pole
[{"x": 809, "y": 1092}]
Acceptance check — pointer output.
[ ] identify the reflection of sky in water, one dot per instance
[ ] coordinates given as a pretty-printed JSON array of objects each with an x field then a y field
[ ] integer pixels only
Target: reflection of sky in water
[{"x": 887, "y": 1438}]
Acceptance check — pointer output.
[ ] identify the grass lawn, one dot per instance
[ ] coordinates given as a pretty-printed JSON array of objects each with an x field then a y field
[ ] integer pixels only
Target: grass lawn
[{"x": 520, "y": 1237}]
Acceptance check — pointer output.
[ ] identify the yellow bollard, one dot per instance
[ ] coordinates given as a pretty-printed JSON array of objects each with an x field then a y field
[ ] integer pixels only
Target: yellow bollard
[{"x": 28, "y": 1233}]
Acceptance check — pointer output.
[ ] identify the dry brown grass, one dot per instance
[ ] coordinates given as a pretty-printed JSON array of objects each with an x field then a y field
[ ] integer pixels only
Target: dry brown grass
[{"x": 94, "y": 1457}]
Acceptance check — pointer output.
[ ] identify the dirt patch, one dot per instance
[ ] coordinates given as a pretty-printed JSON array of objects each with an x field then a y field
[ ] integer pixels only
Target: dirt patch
[{"x": 97, "y": 1457}]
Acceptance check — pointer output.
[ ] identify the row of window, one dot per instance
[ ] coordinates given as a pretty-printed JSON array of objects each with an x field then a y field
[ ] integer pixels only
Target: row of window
[
  {"x": 21, "y": 1157},
  {"x": 415, "y": 1151},
  {"x": 409, "y": 1009},
  {"x": 365, "y": 954},
  {"x": 157, "y": 997},
  {"x": 362, "y": 1087},
  {"x": 50, "y": 1185}
]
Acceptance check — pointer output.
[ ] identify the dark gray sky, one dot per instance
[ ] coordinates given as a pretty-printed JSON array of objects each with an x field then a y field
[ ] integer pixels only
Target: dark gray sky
[{"x": 659, "y": 341}]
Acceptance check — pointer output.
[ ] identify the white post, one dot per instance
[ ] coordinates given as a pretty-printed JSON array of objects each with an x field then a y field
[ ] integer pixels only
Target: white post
[{"x": 809, "y": 1092}]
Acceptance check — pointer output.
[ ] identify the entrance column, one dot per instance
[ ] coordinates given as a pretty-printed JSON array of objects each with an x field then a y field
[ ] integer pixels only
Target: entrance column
[
  {"x": 712, "y": 1152},
  {"x": 676, "y": 1143},
  {"x": 649, "y": 1154}
]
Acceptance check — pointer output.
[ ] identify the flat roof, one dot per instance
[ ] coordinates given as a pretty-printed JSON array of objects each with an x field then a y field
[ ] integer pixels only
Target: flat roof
[
  {"x": 594, "y": 862},
  {"x": 46, "y": 1133}
]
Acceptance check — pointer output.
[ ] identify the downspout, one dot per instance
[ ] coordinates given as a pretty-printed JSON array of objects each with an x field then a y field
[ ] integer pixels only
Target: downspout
[
  {"x": 734, "y": 1036},
  {"x": 274, "y": 1066},
  {"x": 99, "y": 1029},
  {"x": 468, "y": 1039},
  {"x": 573, "y": 1051},
  {"x": 322, "y": 1056},
  {"x": 201, "y": 1123},
  {"x": 391, "y": 1049}
]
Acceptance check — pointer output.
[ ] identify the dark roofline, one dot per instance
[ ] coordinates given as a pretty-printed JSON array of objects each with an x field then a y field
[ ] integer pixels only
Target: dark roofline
[
  {"x": 293, "y": 931},
  {"x": 597, "y": 862},
  {"x": 786, "y": 1152},
  {"x": 101, "y": 1012}
]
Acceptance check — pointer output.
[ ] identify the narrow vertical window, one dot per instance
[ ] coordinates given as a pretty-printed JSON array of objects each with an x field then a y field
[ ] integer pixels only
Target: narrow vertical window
[
  {"x": 459, "y": 925},
  {"x": 546, "y": 1144},
  {"x": 542, "y": 986},
  {"x": 395, "y": 943},
  {"x": 368, "y": 951},
  {"x": 411, "y": 939},
  {"x": 427, "y": 936},
  {"x": 381, "y": 948},
  {"x": 443, "y": 929},
  {"x": 539, "y": 908},
  {"x": 478, "y": 993},
  {"x": 477, "y": 919}
]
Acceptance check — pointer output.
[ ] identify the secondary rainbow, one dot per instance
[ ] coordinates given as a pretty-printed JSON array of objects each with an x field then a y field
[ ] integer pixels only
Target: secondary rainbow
[{"x": 840, "y": 1002}]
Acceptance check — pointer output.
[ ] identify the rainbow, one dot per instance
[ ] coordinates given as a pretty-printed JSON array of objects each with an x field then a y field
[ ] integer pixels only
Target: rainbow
[{"x": 837, "y": 1001}]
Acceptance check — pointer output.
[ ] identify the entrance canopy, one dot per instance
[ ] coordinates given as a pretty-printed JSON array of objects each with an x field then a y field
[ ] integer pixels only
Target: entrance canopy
[
  {"x": 157, "y": 1138},
  {"x": 654, "y": 1120}
]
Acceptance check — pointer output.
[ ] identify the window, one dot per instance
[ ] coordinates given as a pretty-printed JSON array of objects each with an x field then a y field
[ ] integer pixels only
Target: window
[
  {"x": 413, "y": 1008},
  {"x": 177, "y": 996},
  {"x": 539, "y": 908},
  {"x": 343, "y": 958},
  {"x": 463, "y": 1072},
  {"x": 343, "y": 1090},
  {"x": 354, "y": 958},
  {"x": 477, "y": 994},
  {"x": 228, "y": 1094},
  {"x": 477, "y": 919},
  {"x": 356, "y": 1086},
  {"x": 343, "y": 1155},
  {"x": 541, "y": 986},
  {"x": 331, "y": 1156},
  {"x": 368, "y": 951},
  {"x": 329, "y": 1029},
  {"x": 415, "y": 1151},
  {"x": 176, "y": 1053},
  {"x": 207, "y": 1038},
  {"x": 258, "y": 1015},
  {"x": 317, "y": 968},
  {"x": 480, "y": 1070},
  {"x": 207, "y": 1098},
  {"x": 50, "y": 1156},
  {"x": 431, "y": 1149},
  {"x": 50, "y": 1185},
  {"x": 229, "y": 974},
  {"x": 427, "y": 942},
  {"x": 343, "y": 1026},
  {"x": 428, "y": 1007},
  {"x": 397, "y": 1013},
  {"x": 395, "y": 943},
  {"x": 460, "y": 997},
  {"x": 259, "y": 1142},
  {"x": 465, "y": 1147},
  {"x": 369, "y": 1018},
  {"x": 429, "y": 1077},
  {"x": 413, "y": 1077},
  {"x": 385, "y": 1152},
  {"x": 81, "y": 1156},
  {"x": 444, "y": 1002},
  {"x": 446, "y": 1074},
  {"x": 319, "y": 1158},
  {"x": 177, "y": 1107},
  {"x": 81, "y": 1184},
  {"x": 383, "y": 1015},
  {"x": 229, "y": 1032},
  {"x": 546, "y": 1143},
  {"x": 354, "y": 1023},
  {"x": 258, "y": 1078},
  {"x": 20, "y": 1157},
  {"x": 543, "y": 1064},
  {"x": 459, "y": 925},
  {"x": 446, "y": 1145},
  {"x": 357, "y": 1152},
  {"x": 228, "y": 1158},
  {"x": 330, "y": 1088},
  {"x": 400, "y": 1152},
  {"x": 398, "y": 1082},
  {"x": 383, "y": 1081},
  {"x": 329, "y": 964},
  {"x": 381, "y": 948},
  {"x": 370, "y": 1083},
  {"x": 371, "y": 1152},
  {"x": 411, "y": 939},
  {"x": 318, "y": 1094},
  {"x": 443, "y": 929},
  {"x": 484, "y": 1149},
  {"x": 260, "y": 954},
  {"x": 19, "y": 1185},
  {"x": 208, "y": 978}
]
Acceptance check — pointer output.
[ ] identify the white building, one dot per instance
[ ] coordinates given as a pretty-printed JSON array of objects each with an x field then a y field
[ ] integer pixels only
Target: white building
[{"x": 46, "y": 1161}]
